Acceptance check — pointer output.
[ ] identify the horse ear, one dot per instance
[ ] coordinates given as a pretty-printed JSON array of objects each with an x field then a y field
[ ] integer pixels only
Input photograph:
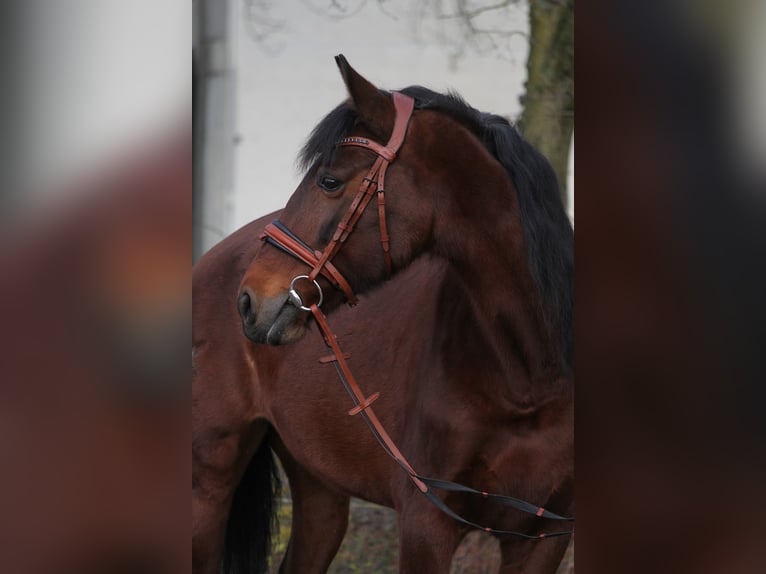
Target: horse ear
[{"x": 375, "y": 108}]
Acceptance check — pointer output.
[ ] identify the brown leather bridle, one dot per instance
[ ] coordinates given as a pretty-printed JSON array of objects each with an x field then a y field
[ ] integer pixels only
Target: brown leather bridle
[
  {"x": 320, "y": 262},
  {"x": 374, "y": 182}
]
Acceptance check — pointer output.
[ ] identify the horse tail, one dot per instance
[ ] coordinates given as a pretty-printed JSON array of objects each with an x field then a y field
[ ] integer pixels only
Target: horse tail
[{"x": 252, "y": 517}]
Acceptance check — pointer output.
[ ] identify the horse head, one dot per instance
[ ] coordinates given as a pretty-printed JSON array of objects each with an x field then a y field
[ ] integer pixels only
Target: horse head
[
  {"x": 348, "y": 165},
  {"x": 393, "y": 175}
]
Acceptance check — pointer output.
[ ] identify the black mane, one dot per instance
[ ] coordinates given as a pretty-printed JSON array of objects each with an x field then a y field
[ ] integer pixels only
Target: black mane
[{"x": 547, "y": 230}]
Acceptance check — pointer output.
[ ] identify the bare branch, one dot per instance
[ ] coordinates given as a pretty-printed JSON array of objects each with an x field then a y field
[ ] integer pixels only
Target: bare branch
[
  {"x": 477, "y": 21},
  {"x": 335, "y": 10},
  {"x": 260, "y": 25},
  {"x": 384, "y": 10},
  {"x": 463, "y": 12}
]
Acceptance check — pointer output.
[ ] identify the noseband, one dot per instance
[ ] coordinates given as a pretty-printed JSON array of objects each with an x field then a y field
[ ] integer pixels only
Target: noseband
[{"x": 374, "y": 182}]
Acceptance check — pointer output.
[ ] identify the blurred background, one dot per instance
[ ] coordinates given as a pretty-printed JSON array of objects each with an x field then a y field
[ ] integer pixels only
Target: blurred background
[
  {"x": 95, "y": 297},
  {"x": 91, "y": 79}
]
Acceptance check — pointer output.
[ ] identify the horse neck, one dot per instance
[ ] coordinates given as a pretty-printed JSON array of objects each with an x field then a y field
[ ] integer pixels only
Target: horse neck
[{"x": 486, "y": 248}]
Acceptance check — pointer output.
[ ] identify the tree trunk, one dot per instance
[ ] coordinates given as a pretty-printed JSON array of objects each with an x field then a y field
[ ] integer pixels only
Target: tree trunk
[{"x": 547, "y": 121}]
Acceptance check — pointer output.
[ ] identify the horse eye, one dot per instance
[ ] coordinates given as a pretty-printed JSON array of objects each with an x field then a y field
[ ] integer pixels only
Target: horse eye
[{"x": 329, "y": 183}]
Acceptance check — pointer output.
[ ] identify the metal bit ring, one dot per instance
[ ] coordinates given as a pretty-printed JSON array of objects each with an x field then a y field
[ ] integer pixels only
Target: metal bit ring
[{"x": 295, "y": 297}]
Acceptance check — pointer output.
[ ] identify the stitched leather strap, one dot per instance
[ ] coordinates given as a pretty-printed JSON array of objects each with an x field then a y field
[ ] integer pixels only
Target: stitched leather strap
[
  {"x": 404, "y": 106},
  {"x": 349, "y": 221},
  {"x": 360, "y": 400},
  {"x": 425, "y": 485},
  {"x": 278, "y": 236}
]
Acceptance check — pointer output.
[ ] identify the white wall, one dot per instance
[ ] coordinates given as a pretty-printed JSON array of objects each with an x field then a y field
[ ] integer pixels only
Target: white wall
[{"x": 215, "y": 34}]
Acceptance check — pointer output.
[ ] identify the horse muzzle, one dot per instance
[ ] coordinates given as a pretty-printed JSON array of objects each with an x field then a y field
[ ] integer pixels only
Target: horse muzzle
[{"x": 274, "y": 321}]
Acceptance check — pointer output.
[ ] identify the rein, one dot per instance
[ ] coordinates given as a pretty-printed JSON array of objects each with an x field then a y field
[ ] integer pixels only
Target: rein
[{"x": 279, "y": 236}]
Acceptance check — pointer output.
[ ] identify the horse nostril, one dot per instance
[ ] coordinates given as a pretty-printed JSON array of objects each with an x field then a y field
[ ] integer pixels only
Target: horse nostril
[{"x": 244, "y": 304}]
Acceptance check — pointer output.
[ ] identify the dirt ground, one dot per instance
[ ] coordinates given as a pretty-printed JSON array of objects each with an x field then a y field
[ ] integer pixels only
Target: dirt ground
[{"x": 370, "y": 545}]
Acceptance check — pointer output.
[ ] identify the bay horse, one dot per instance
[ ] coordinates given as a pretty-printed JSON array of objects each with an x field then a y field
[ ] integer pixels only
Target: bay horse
[{"x": 469, "y": 344}]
